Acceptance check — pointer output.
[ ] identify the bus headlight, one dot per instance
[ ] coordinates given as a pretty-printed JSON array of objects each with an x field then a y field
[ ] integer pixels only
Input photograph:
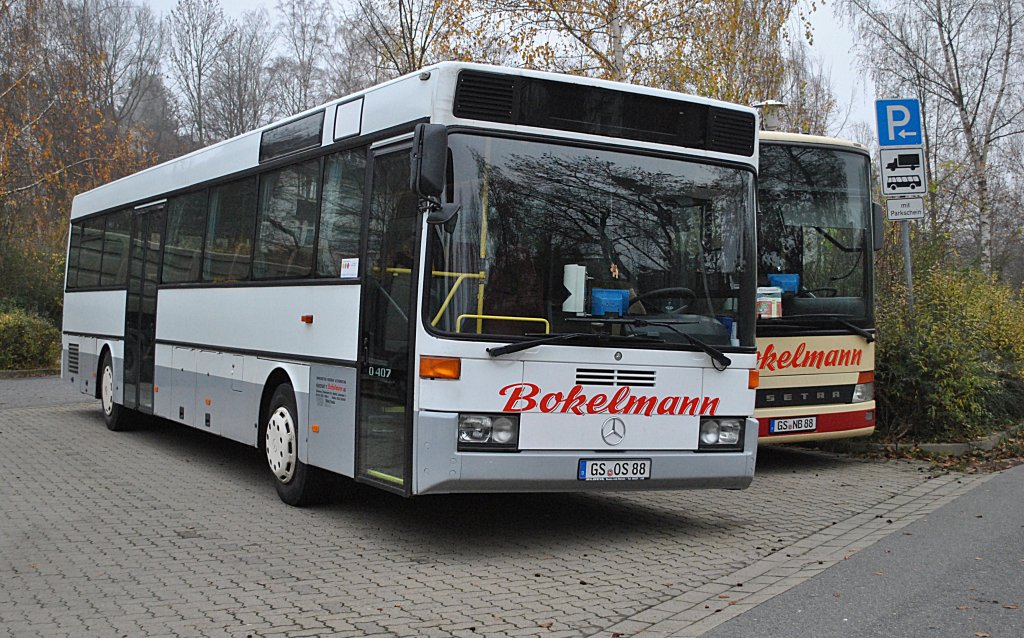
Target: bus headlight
[
  {"x": 863, "y": 392},
  {"x": 494, "y": 432},
  {"x": 720, "y": 433}
]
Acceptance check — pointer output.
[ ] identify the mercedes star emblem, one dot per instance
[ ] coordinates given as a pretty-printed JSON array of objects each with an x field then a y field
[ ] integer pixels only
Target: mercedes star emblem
[{"x": 613, "y": 431}]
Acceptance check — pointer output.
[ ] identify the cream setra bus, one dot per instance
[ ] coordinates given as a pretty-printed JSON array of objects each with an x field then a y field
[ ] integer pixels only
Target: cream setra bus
[
  {"x": 817, "y": 234},
  {"x": 468, "y": 279}
]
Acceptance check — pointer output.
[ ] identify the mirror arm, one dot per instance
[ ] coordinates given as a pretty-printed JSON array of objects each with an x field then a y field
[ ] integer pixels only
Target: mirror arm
[{"x": 441, "y": 213}]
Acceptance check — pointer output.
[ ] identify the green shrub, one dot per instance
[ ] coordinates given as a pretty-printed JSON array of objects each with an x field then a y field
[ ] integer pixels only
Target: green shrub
[
  {"x": 27, "y": 341},
  {"x": 951, "y": 370},
  {"x": 32, "y": 280}
]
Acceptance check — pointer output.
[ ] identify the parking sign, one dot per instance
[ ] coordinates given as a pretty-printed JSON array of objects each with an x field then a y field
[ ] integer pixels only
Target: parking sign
[{"x": 899, "y": 122}]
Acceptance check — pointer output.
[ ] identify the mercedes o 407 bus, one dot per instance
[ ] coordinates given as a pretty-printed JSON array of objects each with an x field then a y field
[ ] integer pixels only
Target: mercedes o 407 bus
[{"x": 468, "y": 279}]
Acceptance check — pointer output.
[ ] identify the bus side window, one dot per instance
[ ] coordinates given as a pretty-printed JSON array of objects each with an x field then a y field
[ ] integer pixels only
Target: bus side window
[
  {"x": 228, "y": 250},
  {"x": 287, "y": 221},
  {"x": 341, "y": 214},
  {"x": 73, "y": 252},
  {"x": 91, "y": 253},
  {"x": 183, "y": 247},
  {"x": 115, "y": 249}
]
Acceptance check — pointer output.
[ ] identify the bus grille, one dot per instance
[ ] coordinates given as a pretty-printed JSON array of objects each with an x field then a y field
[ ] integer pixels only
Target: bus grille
[
  {"x": 597, "y": 376},
  {"x": 73, "y": 358},
  {"x": 485, "y": 96},
  {"x": 731, "y": 132}
]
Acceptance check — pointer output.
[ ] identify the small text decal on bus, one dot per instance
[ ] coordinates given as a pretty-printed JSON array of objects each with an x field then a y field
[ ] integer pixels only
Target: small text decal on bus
[
  {"x": 804, "y": 358},
  {"x": 526, "y": 397}
]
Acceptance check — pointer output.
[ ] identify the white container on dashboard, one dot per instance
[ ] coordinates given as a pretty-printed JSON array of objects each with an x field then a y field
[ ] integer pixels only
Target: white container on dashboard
[{"x": 769, "y": 302}]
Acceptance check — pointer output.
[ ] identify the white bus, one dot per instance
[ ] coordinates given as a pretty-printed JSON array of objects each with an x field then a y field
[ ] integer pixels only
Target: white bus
[{"x": 468, "y": 279}]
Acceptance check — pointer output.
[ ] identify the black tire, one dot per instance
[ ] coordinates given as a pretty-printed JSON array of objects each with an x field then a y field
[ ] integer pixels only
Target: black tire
[
  {"x": 297, "y": 484},
  {"x": 115, "y": 415}
]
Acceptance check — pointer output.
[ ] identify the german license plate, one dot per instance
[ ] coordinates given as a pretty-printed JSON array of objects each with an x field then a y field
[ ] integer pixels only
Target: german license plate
[
  {"x": 614, "y": 469},
  {"x": 799, "y": 424}
]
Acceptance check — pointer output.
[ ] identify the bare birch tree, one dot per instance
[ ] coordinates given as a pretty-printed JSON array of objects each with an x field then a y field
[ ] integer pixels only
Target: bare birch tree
[
  {"x": 304, "y": 35},
  {"x": 961, "y": 59},
  {"x": 127, "y": 41},
  {"x": 405, "y": 35},
  {"x": 806, "y": 89},
  {"x": 197, "y": 33},
  {"x": 360, "y": 66},
  {"x": 240, "y": 88}
]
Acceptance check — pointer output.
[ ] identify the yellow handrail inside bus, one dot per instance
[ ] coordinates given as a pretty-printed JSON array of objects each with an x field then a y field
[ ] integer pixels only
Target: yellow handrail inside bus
[
  {"x": 481, "y": 318},
  {"x": 460, "y": 277}
]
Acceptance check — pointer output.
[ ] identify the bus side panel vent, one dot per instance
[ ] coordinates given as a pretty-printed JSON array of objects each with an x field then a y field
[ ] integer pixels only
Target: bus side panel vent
[
  {"x": 731, "y": 132},
  {"x": 485, "y": 96},
  {"x": 73, "y": 358}
]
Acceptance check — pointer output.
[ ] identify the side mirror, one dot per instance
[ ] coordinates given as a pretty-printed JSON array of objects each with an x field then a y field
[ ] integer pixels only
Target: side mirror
[
  {"x": 429, "y": 162},
  {"x": 878, "y": 225},
  {"x": 429, "y": 158}
]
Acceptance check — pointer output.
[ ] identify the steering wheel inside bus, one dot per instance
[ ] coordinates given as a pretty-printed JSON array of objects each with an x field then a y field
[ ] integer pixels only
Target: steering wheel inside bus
[{"x": 685, "y": 295}]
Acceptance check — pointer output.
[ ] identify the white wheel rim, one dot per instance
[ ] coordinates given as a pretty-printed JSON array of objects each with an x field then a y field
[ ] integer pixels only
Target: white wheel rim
[
  {"x": 281, "y": 444},
  {"x": 107, "y": 390}
]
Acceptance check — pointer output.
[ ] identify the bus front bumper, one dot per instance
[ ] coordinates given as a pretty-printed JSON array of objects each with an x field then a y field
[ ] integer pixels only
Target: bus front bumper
[{"x": 440, "y": 469}]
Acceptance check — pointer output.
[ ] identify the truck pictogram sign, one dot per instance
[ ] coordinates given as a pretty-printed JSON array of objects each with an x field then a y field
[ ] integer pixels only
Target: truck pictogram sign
[{"x": 902, "y": 172}]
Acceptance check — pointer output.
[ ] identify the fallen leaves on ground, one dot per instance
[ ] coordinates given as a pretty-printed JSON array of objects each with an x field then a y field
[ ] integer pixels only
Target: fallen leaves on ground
[{"x": 1008, "y": 453}]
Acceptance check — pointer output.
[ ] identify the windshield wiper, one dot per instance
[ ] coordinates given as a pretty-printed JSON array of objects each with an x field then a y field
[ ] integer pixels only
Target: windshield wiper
[
  {"x": 855, "y": 329},
  {"x": 709, "y": 350},
  {"x": 813, "y": 320},
  {"x": 713, "y": 352},
  {"x": 569, "y": 336}
]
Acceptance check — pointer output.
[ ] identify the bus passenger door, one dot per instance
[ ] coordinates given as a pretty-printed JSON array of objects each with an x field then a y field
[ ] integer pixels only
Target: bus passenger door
[
  {"x": 140, "y": 312},
  {"x": 384, "y": 422}
]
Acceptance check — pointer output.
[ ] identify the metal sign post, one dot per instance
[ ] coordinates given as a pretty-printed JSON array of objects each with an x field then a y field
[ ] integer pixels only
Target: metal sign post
[{"x": 901, "y": 166}]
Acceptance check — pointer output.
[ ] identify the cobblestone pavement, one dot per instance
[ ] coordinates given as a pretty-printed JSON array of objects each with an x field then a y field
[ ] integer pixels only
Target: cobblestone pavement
[{"x": 167, "y": 531}]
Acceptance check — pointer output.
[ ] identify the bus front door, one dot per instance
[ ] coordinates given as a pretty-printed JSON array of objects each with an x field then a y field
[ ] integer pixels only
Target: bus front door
[
  {"x": 384, "y": 422},
  {"x": 140, "y": 311}
]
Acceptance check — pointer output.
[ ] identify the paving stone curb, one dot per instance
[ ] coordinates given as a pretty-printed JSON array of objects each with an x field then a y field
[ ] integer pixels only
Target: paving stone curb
[{"x": 698, "y": 611}]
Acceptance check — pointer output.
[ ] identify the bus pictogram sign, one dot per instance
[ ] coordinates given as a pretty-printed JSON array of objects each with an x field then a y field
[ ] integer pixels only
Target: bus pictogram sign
[{"x": 902, "y": 172}]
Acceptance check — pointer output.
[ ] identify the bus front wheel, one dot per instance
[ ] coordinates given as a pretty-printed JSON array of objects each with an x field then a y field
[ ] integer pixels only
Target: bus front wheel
[
  {"x": 114, "y": 414},
  {"x": 295, "y": 481}
]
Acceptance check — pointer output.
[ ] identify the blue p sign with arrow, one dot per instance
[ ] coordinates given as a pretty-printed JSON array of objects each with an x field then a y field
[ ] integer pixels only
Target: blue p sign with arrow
[{"x": 899, "y": 122}]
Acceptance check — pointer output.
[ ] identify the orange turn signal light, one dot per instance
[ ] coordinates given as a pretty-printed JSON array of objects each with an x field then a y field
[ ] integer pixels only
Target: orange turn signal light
[
  {"x": 440, "y": 368},
  {"x": 753, "y": 379},
  {"x": 867, "y": 376}
]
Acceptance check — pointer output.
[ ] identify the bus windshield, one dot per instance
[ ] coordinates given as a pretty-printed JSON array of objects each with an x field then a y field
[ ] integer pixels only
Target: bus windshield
[
  {"x": 814, "y": 231},
  {"x": 555, "y": 239}
]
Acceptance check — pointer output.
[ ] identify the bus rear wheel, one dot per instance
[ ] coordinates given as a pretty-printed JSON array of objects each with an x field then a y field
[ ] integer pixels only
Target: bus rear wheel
[
  {"x": 114, "y": 414},
  {"x": 297, "y": 483}
]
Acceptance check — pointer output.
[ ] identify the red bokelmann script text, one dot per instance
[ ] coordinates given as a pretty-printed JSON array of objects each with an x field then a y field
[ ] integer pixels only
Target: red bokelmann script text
[
  {"x": 804, "y": 358},
  {"x": 527, "y": 397}
]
